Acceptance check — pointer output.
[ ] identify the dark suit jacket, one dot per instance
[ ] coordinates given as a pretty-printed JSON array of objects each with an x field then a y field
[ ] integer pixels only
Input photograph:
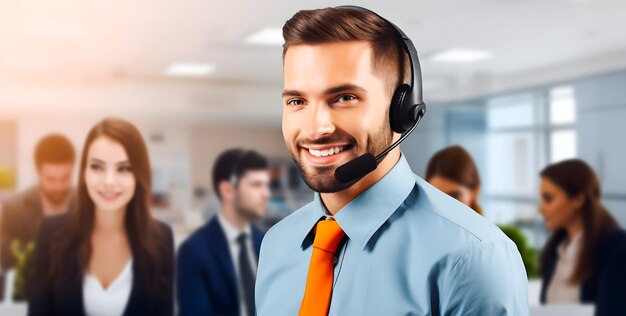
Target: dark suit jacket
[
  {"x": 63, "y": 295},
  {"x": 206, "y": 275},
  {"x": 21, "y": 217},
  {"x": 607, "y": 285}
]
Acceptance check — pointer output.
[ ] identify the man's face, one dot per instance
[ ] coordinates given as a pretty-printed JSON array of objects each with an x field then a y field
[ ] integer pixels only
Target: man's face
[
  {"x": 55, "y": 181},
  {"x": 252, "y": 194},
  {"x": 335, "y": 108}
]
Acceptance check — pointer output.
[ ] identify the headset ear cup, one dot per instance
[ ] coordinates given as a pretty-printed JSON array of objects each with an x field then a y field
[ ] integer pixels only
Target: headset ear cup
[{"x": 397, "y": 112}]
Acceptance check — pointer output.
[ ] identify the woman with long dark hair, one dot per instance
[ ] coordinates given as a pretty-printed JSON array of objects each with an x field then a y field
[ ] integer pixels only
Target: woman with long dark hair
[
  {"x": 109, "y": 257},
  {"x": 584, "y": 260}
]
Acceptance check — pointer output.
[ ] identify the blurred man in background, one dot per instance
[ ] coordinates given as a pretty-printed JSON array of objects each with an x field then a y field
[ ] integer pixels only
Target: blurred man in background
[
  {"x": 53, "y": 195},
  {"x": 217, "y": 264}
]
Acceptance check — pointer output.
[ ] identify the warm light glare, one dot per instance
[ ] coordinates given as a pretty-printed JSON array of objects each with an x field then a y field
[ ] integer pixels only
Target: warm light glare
[
  {"x": 461, "y": 56},
  {"x": 268, "y": 36},
  {"x": 190, "y": 70},
  {"x": 58, "y": 30}
]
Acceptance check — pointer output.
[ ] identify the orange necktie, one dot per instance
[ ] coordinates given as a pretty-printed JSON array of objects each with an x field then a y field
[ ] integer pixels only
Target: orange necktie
[{"x": 319, "y": 282}]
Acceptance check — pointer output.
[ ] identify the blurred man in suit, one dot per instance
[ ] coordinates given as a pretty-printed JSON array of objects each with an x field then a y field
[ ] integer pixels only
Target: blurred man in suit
[
  {"x": 53, "y": 195},
  {"x": 217, "y": 264}
]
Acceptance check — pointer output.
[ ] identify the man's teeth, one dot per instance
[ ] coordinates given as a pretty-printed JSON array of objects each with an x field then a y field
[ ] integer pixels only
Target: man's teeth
[{"x": 326, "y": 152}]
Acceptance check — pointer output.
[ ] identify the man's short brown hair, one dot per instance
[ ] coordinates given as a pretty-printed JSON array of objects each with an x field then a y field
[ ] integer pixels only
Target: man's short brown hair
[
  {"x": 54, "y": 148},
  {"x": 330, "y": 25}
]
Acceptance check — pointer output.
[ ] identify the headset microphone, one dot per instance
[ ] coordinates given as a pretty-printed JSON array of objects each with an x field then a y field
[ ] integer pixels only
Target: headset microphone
[
  {"x": 359, "y": 167},
  {"x": 405, "y": 112}
]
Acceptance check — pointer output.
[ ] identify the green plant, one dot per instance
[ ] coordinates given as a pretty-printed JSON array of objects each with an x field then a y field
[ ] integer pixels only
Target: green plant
[
  {"x": 24, "y": 269},
  {"x": 528, "y": 253}
]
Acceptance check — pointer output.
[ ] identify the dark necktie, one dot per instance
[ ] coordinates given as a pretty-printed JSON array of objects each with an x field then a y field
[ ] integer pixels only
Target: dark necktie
[{"x": 246, "y": 275}]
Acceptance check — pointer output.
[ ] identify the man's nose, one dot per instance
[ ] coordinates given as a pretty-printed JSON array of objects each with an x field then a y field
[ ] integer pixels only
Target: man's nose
[{"x": 318, "y": 121}]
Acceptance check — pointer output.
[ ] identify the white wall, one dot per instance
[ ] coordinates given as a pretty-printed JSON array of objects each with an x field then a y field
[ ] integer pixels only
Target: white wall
[
  {"x": 601, "y": 128},
  {"x": 8, "y": 141}
]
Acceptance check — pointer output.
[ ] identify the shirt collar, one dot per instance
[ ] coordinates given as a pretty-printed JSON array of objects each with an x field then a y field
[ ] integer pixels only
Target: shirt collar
[
  {"x": 366, "y": 213},
  {"x": 231, "y": 231}
]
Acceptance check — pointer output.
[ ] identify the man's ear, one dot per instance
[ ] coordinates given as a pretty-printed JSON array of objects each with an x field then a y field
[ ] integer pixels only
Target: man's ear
[
  {"x": 226, "y": 189},
  {"x": 395, "y": 137}
]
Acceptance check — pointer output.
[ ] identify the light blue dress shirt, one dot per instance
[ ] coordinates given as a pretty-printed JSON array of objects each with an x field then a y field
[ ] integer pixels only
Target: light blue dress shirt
[{"x": 410, "y": 250}]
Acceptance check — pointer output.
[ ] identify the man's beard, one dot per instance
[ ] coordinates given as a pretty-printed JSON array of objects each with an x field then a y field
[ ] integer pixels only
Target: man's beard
[
  {"x": 322, "y": 179},
  {"x": 56, "y": 197}
]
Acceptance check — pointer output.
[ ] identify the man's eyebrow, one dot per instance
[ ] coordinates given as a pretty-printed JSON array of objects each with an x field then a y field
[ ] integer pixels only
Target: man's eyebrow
[
  {"x": 332, "y": 90},
  {"x": 292, "y": 93},
  {"x": 343, "y": 88}
]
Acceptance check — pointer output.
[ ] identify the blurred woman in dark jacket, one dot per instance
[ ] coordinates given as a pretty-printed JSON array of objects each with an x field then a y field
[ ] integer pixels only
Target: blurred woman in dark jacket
[
  {"x": 584, "y": 260},
  {"x": 109, "y": 257}
]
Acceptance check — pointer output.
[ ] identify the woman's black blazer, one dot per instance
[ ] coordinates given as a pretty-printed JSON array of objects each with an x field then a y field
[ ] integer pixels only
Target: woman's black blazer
[{"x": 63, "y": 294}]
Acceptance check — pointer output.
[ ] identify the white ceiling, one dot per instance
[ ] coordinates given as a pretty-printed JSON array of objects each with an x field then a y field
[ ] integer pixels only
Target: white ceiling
[{"x": 103, "y": 57}]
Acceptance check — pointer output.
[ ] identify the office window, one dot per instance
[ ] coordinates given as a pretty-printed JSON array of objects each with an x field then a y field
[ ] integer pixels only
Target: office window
[
  {"x": 510, "y": 167},
  {"x": 562, "y": 145},
  {"x": 507, "y": 112},
  {"x": 562, "y": 105},
  {"x": 512, "y": 144},
  {"x": 562, "y": 134}
]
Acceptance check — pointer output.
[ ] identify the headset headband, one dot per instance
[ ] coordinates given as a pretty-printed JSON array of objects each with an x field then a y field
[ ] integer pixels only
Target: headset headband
[{"x": 407, "y": 44}]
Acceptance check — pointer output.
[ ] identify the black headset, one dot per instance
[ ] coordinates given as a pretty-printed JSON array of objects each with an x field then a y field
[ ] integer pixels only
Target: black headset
[
  {"x": 406, "y": 104},
  {"x": 405, "y": 112}
]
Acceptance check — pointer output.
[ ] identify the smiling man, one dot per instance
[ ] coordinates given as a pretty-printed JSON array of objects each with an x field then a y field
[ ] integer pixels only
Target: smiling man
[{"x": 387, "y": 243}]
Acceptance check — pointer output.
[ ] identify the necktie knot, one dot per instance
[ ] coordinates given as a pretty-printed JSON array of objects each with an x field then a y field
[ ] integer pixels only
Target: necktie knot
[
  {"x": 242, "y": 238},
  {"x": 328, "y": 235}
]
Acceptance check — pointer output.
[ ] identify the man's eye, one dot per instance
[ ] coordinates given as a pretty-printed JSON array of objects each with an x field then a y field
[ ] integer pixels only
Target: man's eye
[
  {"x": 346, "y": 98},
  {"x": 295, "y": 102}
]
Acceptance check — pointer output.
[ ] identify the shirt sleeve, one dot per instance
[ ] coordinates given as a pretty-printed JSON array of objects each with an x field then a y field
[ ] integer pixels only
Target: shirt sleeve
[{"x": 488, "y": 279}]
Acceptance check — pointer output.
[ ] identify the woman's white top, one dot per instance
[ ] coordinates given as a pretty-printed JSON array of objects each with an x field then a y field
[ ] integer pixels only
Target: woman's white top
[
  {"x": 111, "y": 301},
  {"x": 560, "y": 291}
]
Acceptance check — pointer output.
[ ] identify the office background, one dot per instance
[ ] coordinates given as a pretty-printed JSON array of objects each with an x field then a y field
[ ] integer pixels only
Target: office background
[{"x": 520, "y": 84}]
